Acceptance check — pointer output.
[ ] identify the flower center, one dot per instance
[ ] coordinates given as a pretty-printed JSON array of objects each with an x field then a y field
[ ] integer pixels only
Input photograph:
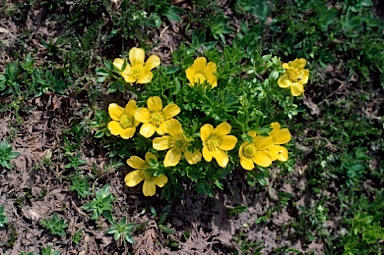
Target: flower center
[
  {"x": 137, "y": 71},
  {"x": 156, "y": 118},
  {"x": 126, "y": 121},
  {"x": 213, "y": 142},
  {"x": 179, "y": 143},
  {"x": 249, "y": 150},
  {"x": 199, "y": 78},
  {"x": 293, "y": 74}
]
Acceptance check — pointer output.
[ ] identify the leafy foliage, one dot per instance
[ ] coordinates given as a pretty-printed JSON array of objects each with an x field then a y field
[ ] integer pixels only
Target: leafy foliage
[
  {"x": 6, "y": 154},
  {"x": 55, "y": 225}
]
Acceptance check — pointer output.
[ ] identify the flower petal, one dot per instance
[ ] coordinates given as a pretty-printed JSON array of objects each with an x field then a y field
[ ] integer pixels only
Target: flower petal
[
  {"x": 275, "y": 127},
  {"x": 145, "y": 78},
  {"x": 206, "y": 131},
  {"x": 304, "y": 75},
  {"x": 149, "y": 188},
  {"x": 252, "y": 133},
  {"x": 199, "y": 64},
  {"x": 127, "y": 133},
  {"x": 221, "y": 157},
  {"x": 246, "y": 163},
  {"x": 118, "y": 63},
  {"x": 152, "y": 62},
  {"x": 278, "y": 152},
  {"x": 190, "y": 73},
  {"x": 131, "y": 107},
  {"x": 143, "y": 115},
  {"x": 222, "y": 129},
  {"x": 173, "y": 127},
  {"x": 155, "y": 104},
  {"x": 298, "y": 63},
  {"x": 262, "y": 142},
  {"x": 161, "y": 180},
  {"x": 171, "y": 111},
  {"x": 136, "y": 162},
  {"x": 283, "y": 81},
  {"x": 136, "y": 56},
  {"x": 133, "y": 178},
  {"x": 207, "y": 155},
  {"x": 115, "y": 111},
  {"x": 115, "y": 128},
  {"x": 281, "y": 136},
  {"x": 297, "y": 89},
  {"x": 161, "y": 130},
  {"x": 193, "y": 158},
  {"x": 149, "y": 157},
  {"x": 147, "y": 130},
  {"x": 162, "y": 143},
  {"x": 172, "y": 158},
  {"x": 128, "y": 78},
  {"x": 228, "y": 142},
  {"x": 209, "y": 73},
  {"x": 262, "y": 158}
]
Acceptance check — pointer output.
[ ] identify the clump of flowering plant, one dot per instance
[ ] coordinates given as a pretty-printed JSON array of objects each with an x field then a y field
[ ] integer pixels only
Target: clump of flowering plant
[
  {"x": 201, "y": 72},
  {"x": 145, "y": 170},
  {"x": 295, "y": 76},
  {"x": 123, "y": 119},
  {"x": 185, "y": 117},
  {"x": 137, "y": 70}
]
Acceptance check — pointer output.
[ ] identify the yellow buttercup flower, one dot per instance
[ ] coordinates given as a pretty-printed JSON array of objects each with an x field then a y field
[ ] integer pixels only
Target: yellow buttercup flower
[
  {"x": 123, "y": 121},
  {"x": 255, "y": 152},
  {"x": 216, "y": 142},
  {"x": 137, "y": 70},
  {"x": 177, "y": 143},
  {"x": 144, "y": 172},
  {"x": 295, "y": 76},
  {"x": 155, "y": 116},
  {"x": 200, "y": 71},
  {"x": 279, "y": 136}
]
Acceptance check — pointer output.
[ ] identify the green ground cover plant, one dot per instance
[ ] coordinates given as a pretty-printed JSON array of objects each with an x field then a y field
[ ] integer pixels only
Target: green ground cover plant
[{"x": 236, "y": 127}]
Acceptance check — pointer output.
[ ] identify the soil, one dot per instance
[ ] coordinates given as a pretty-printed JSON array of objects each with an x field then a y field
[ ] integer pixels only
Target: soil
[{"x": 31, "y": 191}]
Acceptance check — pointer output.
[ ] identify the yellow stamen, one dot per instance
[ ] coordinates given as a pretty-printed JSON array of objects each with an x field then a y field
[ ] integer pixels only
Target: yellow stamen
[
  {"x": 126, "y": 121},
  {"x": 179, "y": 143},
  {"x": 213, "y": 142},
  {"x": 293, "y": 74},
  {"x": 156, "y": 118},
  {"x": 249, "y": 150},
  {"x": 137, "y": 72}
]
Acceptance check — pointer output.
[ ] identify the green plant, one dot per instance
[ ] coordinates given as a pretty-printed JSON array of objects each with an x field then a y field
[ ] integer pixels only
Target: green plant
[
  {"x": 76, "y": 238},
  {"x": 122, "y": 231},
  {"x": 80, "y": 185},
  {"x": 6, "y": 154},
  {"x": 3, "y": 217},
  {"x": 75, "y": 162},
  {"x": 101, "y": 204},
  {"x": 55, "y": 225},
  {"x": 48, "y": 251},
  {"x": 246, "y": 246}
]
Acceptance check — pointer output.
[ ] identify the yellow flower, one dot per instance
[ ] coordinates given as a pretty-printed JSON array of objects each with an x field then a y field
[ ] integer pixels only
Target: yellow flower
[
  {"x": 255, "y": 152},
  {"x": 216, "y": 142},
  {"x": 200, "y": 71},
  {"x": 279, "y": 136},
  {"x": 136, "y": 70},
  {"x": 144, "y": 172},
  {"x": 295, "y": 77},
  {"x": 177, "y": 144},
  {"x": 123, "y": 121},
  {"x": 155, "y": 116}
]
